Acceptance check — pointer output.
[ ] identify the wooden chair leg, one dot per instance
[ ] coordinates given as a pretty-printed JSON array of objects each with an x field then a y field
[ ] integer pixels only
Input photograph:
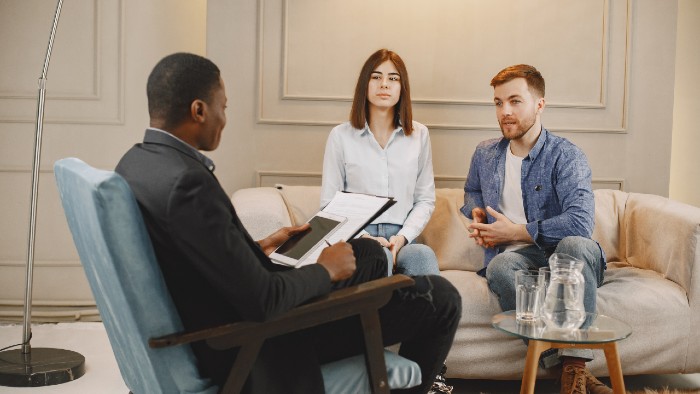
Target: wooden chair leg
[
  {"x": 614, "y": 368},
  {"x": 241, "y": 368},
  {"x": 534, "y": 349},
  {"x": 374, "y": 352}
]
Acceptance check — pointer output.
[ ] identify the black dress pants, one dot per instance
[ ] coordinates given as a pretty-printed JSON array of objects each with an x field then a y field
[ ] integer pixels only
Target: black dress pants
[{"x": 422, "y": 317}]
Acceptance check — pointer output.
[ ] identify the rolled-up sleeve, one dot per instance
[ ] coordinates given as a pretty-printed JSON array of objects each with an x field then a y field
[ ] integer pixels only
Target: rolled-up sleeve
[{"x": 572, "y": 214}]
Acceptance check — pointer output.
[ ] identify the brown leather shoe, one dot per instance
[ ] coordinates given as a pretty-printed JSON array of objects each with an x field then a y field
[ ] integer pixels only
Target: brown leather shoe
[
  {"x": 573, "y": 380},
  {"x": 595, "y": 386}
]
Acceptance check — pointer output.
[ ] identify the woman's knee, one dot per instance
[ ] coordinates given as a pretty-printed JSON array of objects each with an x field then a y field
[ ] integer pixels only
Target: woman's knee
[{"x": 419, "y": 258}]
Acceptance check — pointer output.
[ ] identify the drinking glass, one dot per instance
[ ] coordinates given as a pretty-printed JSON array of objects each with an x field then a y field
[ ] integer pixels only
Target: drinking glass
[{"x": 529, "y": 295}]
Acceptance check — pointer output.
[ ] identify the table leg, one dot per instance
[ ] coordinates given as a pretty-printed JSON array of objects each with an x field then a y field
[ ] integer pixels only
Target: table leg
[
  {"x": 614, "y": 368},
  {"x": 534, "y": 349}
]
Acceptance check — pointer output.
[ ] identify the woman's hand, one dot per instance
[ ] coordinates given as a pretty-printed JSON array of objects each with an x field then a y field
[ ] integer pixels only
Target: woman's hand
[
  {"x": 382, "y": 241},
  {"x": 396, "y": 242}
]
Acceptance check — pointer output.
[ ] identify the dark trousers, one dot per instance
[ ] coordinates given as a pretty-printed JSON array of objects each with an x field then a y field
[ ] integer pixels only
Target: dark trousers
[{"x": 422, "y": 317}]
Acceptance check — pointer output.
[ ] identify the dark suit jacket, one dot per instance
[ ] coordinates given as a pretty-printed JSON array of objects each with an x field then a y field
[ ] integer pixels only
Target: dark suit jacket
[{"x": 215, "y": 272}]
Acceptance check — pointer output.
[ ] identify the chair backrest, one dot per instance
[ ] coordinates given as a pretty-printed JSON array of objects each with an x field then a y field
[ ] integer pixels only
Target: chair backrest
[{"x": 121, "y": 267}]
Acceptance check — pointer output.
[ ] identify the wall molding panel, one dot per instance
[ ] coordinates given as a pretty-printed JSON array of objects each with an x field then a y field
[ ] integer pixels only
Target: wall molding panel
[
  {"x": 296, "y": 178},
  {"x": 85, "y": 81},
  {"x": 584, "y": 56}
]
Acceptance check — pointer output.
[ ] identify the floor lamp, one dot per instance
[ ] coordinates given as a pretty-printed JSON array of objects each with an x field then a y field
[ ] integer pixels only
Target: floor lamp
[{"x": 27, "y": 367}]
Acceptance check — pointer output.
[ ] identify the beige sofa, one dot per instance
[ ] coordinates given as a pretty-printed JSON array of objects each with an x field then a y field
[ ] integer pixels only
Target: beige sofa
[{"x": 652, "y": 282}]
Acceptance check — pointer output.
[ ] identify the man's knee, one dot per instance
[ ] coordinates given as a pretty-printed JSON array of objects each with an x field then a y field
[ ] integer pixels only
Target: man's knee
[
  {"x": 369, "y": 255},
  {"x": 444, "y": 295},
  {"x": 581, "y": 248},
  {"x": 498, "y": 268}
]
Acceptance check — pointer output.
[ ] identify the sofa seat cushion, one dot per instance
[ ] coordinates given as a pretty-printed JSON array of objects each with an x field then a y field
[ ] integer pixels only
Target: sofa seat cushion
[
  {"x": 349, "y": 375},
  {"x": 477, "y": 346},
  {"x": 655, "y": 307}
]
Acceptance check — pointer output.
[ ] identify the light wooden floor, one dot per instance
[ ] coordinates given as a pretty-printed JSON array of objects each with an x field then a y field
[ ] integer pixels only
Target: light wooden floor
[{"x": 102, "y": 375}]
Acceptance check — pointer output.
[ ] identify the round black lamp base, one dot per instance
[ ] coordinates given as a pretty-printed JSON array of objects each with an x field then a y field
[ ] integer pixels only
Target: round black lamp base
[{"x": 41, "y": 367}]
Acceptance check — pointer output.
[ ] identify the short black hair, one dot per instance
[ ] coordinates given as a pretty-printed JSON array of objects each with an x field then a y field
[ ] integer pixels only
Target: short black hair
[{"x": 175, "y": 82}]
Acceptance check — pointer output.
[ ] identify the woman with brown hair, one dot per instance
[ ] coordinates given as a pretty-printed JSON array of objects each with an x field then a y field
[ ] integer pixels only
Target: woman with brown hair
[{"x": 382, "y": 151}]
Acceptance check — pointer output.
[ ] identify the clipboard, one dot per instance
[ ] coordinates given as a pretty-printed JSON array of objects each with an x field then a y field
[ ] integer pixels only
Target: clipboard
[{"x": 352, "y": 211}]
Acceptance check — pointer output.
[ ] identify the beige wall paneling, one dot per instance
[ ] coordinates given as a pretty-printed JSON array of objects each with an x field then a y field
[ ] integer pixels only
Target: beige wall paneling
[
  {"x": 95, "y": 110},
  {"x": 272, "y": 178},
  {"x": 84, "y": 82},
  {"x": 685, "y": 161},
  {"x": 309, "y": 61},
  {"x": 608, "y": 66}
]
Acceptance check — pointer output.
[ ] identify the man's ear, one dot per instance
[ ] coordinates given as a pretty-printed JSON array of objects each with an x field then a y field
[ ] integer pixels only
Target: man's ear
[
  {"x": 198, "y": 111},
  {"x": 541, "y": 103}
]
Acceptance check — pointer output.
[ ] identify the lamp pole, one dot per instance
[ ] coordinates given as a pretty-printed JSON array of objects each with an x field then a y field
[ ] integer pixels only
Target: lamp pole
[{"x": 41, "y": 366}]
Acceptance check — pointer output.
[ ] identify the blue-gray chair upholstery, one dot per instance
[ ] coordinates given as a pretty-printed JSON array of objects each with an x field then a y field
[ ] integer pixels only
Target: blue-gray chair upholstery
[{"x": 135, "y": 306}]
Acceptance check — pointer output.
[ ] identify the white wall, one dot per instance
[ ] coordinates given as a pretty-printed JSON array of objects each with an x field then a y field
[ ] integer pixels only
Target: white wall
[
  {"x": 95, "y": 110},
  {"x": 609, "y": 66},
  {"x": 685, "y": 160}
]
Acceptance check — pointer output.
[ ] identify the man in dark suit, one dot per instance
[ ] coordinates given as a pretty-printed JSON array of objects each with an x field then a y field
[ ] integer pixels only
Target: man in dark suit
[{"x": 216, "y": 273}]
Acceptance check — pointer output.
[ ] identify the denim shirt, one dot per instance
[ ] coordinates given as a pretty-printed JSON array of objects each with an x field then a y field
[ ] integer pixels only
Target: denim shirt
[{"x": 556, "y": 187}]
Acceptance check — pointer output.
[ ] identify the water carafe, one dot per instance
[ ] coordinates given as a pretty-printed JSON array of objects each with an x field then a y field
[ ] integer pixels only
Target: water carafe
[{"x": 563, "y": 302}]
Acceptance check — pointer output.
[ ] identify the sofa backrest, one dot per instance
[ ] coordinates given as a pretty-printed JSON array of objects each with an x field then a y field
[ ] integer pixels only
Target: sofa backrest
[
  {"x": 447, "y": 234},
  {"x": 628, "y": 226},
  {"x": 609, "y": 215}
]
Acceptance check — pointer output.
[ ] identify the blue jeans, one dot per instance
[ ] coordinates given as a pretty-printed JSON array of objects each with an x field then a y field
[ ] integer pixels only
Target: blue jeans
[
  {"x": 413, "y": 259},
  {"x": 500, "y": 275}
]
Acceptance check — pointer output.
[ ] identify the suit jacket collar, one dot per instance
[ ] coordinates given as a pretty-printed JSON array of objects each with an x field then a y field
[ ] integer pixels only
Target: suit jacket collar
[{"x": 162, "y": 137}]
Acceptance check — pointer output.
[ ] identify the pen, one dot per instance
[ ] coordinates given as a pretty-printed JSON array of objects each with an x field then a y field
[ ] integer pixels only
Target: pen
[{"x": 327, "y": 243}]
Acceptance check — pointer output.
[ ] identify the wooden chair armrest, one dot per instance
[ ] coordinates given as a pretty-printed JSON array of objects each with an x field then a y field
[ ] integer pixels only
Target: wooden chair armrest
[
  {"x": 333, "y": 306},
  {"x": 363, "y": 300}
]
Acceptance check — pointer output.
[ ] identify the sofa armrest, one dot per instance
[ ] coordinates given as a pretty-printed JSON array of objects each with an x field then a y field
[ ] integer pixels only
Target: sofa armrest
[
  {"x": 663, "y": 235},
  {"x": 261, "y": 210}
]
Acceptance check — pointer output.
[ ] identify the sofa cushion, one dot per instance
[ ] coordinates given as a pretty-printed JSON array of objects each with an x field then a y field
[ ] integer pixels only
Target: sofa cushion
[
  {"x": 662, "y": 235},
  {"x": 261, "y": 210},
  {"x": 447, "y": 234}
]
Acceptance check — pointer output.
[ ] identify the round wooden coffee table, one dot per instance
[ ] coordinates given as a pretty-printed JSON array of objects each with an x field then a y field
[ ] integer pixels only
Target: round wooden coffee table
[{"x": 597, "y": 332}]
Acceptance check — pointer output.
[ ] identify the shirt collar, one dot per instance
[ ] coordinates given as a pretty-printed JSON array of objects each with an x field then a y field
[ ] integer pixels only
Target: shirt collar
[
  {"x": 539, "y": 145},
  {"x": 536, "y": 149},
  {"x": 158, "y": 136},
  {"x": 367, "y": 130}
]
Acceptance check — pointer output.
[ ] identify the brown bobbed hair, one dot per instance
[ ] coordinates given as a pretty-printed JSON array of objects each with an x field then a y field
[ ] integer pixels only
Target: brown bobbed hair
[
  {"x": 535, "y": 82},
  {"x": 359, "y": 114}
]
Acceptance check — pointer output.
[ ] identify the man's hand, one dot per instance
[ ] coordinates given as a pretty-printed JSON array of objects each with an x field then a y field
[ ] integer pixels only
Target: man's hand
[
  {"x": 338, "y": 260},
  {"x": 274, "y": 240},
  {"x": 396, "y": 242},
  {"x": 500, "y": 232},
  {"x": 479, "y": 216}
]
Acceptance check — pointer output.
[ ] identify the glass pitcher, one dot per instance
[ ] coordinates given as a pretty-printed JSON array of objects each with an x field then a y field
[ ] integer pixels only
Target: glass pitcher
[{"x": 563, "y": 302}]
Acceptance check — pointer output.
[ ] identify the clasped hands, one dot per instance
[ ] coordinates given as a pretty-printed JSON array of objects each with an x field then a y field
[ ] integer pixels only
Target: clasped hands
[
  {"x": 501, "y": 232},
  {"x": 338, "y": 259}
]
